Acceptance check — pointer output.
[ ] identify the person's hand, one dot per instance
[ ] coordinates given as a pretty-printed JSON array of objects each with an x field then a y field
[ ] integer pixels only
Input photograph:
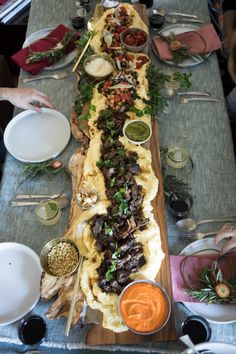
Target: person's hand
[
  {"x": 227, "y": 231},
  {"x": 27, "y": 98}
]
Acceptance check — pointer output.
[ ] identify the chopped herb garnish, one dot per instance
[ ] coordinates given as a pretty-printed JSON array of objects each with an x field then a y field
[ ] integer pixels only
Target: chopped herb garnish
[
  {"x": 112, "y": 182},
  {"x": 111, "y": 270},
  {"x": 108, "y": 229}
]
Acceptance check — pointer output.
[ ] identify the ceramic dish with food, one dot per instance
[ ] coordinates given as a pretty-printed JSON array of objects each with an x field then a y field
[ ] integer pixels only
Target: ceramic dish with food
[
  {"x": 134, "y": 39},
  {"x": 137, "y": 131},
  {"x": 144, "y": 307},
  {"x": 98, "y": 66},
  {"x": 86, "y": 198}
]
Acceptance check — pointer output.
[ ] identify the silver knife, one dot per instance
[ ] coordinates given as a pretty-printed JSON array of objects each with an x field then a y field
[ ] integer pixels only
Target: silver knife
[
  {"x": 181, "y": 14},
  {"x": 178, "y": 20}
]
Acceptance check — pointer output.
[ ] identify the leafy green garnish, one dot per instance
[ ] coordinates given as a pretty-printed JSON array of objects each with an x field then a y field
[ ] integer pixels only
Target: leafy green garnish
[
  {"x": 108, "y": 229},
  {"x": 85, "y": 95},
  {"x": 105, "y": 163},
  {"x": 81, "y": 43},
  {"x": 112, "y": 182},
  {"x": 119, "y": 195},
  {"x": 183, "y": 79},
  {"x": 156, "y": 80},
  {"x": 121, "y": 152},
  {"x": 52, "y": 206},
  {"x": 123, "y": 203},
  {"x": 111, "y": 270}
]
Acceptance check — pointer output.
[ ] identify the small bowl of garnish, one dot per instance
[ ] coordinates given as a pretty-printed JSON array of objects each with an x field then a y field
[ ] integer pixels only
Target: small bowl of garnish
[
  {"x": 98, "y": 66},
  {"x": 134, "y": 39},
  {"x": 86, "y": 198},
  {"x": 60, "y": 257},
  {"x": 137, "y": 132},
  {"x": 144, "y": 307}
]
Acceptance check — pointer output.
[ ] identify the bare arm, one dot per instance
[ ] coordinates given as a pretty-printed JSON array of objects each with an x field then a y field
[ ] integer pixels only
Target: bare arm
[
  {"x": 25, "y": 98},
  {"x": 228, "y": 27},
  {"x": 227, "y": 231}
]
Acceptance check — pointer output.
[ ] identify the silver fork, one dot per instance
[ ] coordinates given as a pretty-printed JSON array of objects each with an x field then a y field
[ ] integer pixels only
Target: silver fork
[
  {"x": 200, "y": 235},
  {"x": 31, "y": 351},
  {"x": 53, "y": 76},
  {"x": 206, "y": 99}
]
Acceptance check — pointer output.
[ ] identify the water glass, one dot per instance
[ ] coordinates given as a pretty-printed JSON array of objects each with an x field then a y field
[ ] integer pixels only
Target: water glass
[
  {"x": 170, "y": 101},
  {"x": 48, "y": 212},
  {"x": 177, "y": 156}
]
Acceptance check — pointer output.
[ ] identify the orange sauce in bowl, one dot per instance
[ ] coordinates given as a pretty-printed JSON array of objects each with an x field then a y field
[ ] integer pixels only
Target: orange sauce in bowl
[{"x": 144, "y": 307}]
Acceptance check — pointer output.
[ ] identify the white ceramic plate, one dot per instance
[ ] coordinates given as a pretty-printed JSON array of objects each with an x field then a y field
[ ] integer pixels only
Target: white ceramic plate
[
  {"x": 20, "y": 274},
  {"x": 212, "y": 312},
  {"x": 216, "y": 348},
  {"x": 176, "y": 29},
  {"x": 66, "y": 60},
  {"x": 35, "y": 137}
]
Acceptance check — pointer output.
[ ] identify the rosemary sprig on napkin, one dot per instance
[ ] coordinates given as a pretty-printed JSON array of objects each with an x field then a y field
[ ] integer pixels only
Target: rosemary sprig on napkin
[
  {"x": 215, "y": 288},
  {"x": 54, "y": 53},
  {"x": 179, "y": 51}
]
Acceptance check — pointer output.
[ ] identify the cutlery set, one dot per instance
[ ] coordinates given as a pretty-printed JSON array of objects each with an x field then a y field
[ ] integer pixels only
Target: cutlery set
[
  {"x": 188, "y": 96},
  {"x": 63, "y": 200},
  {"x": 190, "y": 225},
  {"x": 176, "y": 17}
]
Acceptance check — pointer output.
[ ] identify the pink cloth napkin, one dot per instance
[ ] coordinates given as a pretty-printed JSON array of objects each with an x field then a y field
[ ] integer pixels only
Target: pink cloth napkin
[
  {"x": 192, "y": 270},
  {"x": 42, "y": 44},
  {"x": 193, "y": 39}
]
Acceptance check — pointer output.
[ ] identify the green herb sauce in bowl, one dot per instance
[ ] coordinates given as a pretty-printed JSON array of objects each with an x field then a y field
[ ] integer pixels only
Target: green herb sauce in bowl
[{"x": 137, "y": 131}]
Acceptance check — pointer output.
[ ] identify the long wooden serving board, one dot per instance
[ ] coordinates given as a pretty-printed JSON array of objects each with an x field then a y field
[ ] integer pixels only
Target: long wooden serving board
[{"x": 97, "y": 334}]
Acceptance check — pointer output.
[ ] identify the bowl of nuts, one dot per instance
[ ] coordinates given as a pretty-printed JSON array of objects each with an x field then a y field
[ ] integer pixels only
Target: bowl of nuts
[
  {"x": 86, "y": 198},
  {"x": 60, "y": 257}
]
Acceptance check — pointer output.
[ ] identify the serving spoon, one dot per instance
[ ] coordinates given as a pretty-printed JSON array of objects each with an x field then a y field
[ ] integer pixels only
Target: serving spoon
[
  {"x": 58, "y": 76},
  {"x": 191, "y": 224}
]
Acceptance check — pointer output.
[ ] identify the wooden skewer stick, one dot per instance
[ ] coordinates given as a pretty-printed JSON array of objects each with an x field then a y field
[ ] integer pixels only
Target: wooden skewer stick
[
  {"x": 81, "y": 55},
  {"x": 72, "y": 305}
]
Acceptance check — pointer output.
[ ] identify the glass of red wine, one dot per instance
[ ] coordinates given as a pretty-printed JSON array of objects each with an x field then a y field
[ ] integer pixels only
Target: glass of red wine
[
  {"x": 32, "y": 330},
  {"x": 156, "y": 18},
  {"x": 78, "y": 19},
  {"x": 198, "y": 329},
  {"x": 179, "y": 205}
]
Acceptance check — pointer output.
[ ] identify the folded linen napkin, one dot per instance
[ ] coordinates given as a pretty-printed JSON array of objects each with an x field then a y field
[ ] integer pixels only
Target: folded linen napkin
[
  {"x": 42, "y": 44},
  {"x": 202, "y": 41},
  {"x": 193, "y": 268}
]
